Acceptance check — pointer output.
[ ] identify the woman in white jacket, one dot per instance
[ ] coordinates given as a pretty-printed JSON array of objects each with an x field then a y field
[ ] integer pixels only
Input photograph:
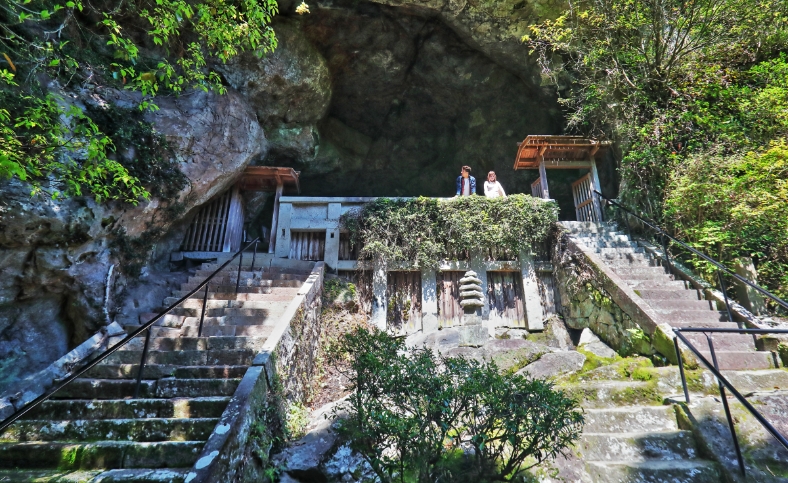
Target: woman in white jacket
[{"x": 492, "y": 188}]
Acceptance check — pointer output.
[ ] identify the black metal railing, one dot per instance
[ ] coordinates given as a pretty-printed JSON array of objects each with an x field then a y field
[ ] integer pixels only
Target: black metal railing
[
  {"x": 712, "y": 365},
  {"x": 723, "y": 383},
  {"x": 146, "y": 327},
  {"x": 721, "y": 269}
]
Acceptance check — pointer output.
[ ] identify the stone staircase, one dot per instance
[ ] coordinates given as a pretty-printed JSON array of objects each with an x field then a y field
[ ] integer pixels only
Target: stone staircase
[
  {"x": 674, "y": 301},
  {"x": 641, "y": 444},
  {"x": 93, "y": 430}
]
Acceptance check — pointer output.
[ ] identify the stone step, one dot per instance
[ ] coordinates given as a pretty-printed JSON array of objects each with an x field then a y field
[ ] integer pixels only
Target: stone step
[
  {"x": 665, "y": 284},
  {"x": 617, "y": 241},
  {"x": 195, "y": 343},
  {"x": 161, "y": 388},
  {"x": 160, "y": 371},
  {"x": 83, "y": 409},
  {"x": 144, "y": 430},
  {"x": 667, "y": 294},
  {"x": 642, "y": 273},
  {"x": 692, "y": 318},
  {"x": 637, "y": 446},
  {"x": 95, "y": 476},
  {"x": 185, "y": 357},
  {"x": 246, "y": 281},
  {"x": 274, "y": 294},
  {"x": 279, "y": 295},
  {"x": 722, "y": 342},
  {"x": 273, "y": 308},
  {"x": 620, "y": 253},
  {"x": 231, "y": 275},
  {"x": 654, "y": 471},
  {"x": 100, "y": 454},
  {"x": 263, "y": 287},
  {"x": 630, "y": 418},
  {"x": 210, "y": 330},
  {"x": 740, "y": 360},
  {"x": 49, "y": 476},
  {"x": 685, "y": 304},
  {"x": 194, "y": 321},
  {"x": 634, "y": 261},
  {"x": 606, "y": 394}
]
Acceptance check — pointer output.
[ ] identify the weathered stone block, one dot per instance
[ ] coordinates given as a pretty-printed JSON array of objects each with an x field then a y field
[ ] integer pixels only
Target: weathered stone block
[{"x": 473, "y": 335}]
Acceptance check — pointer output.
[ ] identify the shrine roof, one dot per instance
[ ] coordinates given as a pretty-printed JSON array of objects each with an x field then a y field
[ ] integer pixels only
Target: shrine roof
[
  {"x": 555, "y": 149},
  {"x": 266, "y": 178}
]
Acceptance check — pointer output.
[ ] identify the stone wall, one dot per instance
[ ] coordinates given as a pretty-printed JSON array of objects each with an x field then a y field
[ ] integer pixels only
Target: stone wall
[{"x": 587, "y": 301}]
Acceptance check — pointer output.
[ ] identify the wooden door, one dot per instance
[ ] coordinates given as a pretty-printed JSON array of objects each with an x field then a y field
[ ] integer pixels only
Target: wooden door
[
  {"x": 584, "y": 199},
  {"x": 449, "y": 308},
  {"x": 403, "y": 294},
  {"x": 218, "y": 225},
  {"x": 505, "y": 298},
  {"x": 307, "y": 245}
]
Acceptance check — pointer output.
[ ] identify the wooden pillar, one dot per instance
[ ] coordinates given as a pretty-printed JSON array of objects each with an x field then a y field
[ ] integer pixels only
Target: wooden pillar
[
  {"x": 275, "y": 220},
  {"x": 379, "y": 287},
  {"x": 429, "y": 301},
  {"x": 543, "y": 178},
  {"x": 595, "y": 185}
]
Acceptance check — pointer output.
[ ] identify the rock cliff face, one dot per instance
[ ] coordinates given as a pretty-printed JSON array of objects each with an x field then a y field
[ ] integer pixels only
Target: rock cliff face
[
  {"x": 379, "y": 97},
  {"x": 56, "y": 255},
  {"x": 417, "y": 91}
]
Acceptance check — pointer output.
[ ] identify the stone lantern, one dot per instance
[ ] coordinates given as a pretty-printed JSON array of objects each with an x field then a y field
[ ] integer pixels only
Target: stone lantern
[{"x": 472, "y": 332}]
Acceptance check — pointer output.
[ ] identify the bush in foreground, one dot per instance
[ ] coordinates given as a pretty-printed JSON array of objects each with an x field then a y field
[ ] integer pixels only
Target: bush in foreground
[{"x": 418, "y": 416}]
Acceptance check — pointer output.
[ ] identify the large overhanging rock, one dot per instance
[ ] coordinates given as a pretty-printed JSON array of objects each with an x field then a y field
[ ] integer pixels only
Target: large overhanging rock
[
  {"x": 493, "y": 27},
  {"x": 55, "y": 255}
]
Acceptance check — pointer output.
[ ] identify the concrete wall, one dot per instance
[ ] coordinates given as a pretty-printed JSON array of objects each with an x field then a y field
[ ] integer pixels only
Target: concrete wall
[{"x": 297, "y": 213}]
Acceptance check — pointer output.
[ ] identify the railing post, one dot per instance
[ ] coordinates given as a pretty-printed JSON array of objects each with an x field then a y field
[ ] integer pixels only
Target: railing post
[
  {"x": 240, "y": 264},
  {"x": 202, "y": 315},
  {"x": 626, "y": 222},
  {"x": 681, "y": 370},
  {"x": 142, "y": 363},
  {"x": 724, "y": 398},
  {"x": 725, "y": 295},
  {"x": 254, "y": 256},
  {"x": 667, "y": 255}
]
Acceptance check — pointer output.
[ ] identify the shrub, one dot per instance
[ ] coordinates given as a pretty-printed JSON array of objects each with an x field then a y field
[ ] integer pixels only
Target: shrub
[
  {"x": 424, "y": 230},
  {"x": 418, "y": 416},
  {"x": 733, "y": 206}
]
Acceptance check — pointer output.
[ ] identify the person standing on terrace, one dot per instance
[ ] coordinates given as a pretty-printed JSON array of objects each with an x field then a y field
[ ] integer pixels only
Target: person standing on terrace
[
  {"x": 466, "y": 184},
  {"x": 492, "y": 188}
]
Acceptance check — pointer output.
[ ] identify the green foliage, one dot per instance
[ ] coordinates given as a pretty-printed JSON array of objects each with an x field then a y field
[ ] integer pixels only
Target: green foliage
[
  {"x": 668, "y": 78},
  {"x": 733, "y": 206},
  {"x": 411, "y": 413},
  {"x": 297, "y": 420},
  {"x": 423, "y": 231},
  {"x": 45, "y": 138}
]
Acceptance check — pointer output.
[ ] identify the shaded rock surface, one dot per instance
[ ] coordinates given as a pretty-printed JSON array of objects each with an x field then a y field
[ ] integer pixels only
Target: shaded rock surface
[{"x": 56, "y": 255}]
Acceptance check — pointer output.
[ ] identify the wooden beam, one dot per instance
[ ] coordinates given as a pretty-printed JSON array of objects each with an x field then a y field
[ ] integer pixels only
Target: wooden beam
[
  {"x": 275, "y": 220},
  {"x": 543, "y": 177},
  {"x": 595, "y": 185}
]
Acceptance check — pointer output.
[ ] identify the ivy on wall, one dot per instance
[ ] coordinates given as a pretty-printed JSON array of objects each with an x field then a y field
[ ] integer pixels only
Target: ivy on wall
[{"x": 423, "y": 231}]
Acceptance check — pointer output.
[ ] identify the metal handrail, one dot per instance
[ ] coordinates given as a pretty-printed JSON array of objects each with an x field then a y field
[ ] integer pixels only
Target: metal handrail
[
  {"x": 724, "y": 383},
  {"x": 145, "y": 327},
  {"x": 717, "y": 264}
]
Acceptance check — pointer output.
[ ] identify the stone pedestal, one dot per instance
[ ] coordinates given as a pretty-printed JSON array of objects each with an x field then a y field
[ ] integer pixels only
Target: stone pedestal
[{"x": 472, "y": 332}]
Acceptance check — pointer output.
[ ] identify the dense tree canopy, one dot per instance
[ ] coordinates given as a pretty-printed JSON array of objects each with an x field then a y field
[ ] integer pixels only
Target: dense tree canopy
[
  {"x": 152, "y": 46},
  {"x": 695, "y": 92}
]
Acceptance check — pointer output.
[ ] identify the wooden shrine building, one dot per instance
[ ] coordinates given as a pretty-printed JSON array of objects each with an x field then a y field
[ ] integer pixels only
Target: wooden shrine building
[
  {"x": 218, "y": 225},
  {"x": 565, "y": 152}
]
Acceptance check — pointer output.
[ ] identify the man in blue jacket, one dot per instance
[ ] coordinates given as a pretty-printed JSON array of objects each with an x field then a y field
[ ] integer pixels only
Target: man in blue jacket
[{"x": 466, "y": 184}]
